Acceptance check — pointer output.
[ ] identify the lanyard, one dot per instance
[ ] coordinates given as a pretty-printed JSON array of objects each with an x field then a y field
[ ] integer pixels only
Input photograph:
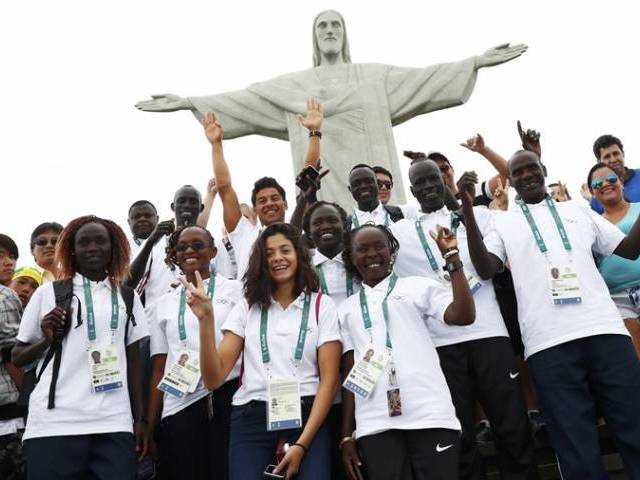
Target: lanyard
[
  {"x": 426, "y": 248},
  {"x": 534, "y": 228},
  {"x": 91, "y": 318},
  {"x": 302, "y": 334},
  {"x": 210, "y": 290},
  {"x": 366, "y": 318},
  {"x": 356, "y": 222},
  {"x": 323, "y": 281}
]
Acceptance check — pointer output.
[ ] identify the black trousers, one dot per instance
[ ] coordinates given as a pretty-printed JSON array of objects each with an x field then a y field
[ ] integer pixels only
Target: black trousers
[
  {"x": 194, "y": 446},
  {"x": 334, "y": 423},
  {"x": 104, "y": 456},
  {"x": 486, "y": 371},
  {"x": 428, "y": 454}
]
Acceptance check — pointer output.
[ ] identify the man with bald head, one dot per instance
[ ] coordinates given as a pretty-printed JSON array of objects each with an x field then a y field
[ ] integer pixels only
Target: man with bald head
[
  {"x": 363, "y": 185},
  {"x": 477, "y": 360},
  {"x": 576, "y": 345}
]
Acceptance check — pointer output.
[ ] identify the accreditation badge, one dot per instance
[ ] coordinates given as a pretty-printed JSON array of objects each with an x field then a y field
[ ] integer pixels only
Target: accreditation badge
[
  {"x": 284, "y": 410},
  {"x": 564, "y": 284},
  {"x": 367, "y": 371},
  {"x": 183, "y": 376},
  {"x": 104, "y": 366},
  {"x": 472, "y": 280}
]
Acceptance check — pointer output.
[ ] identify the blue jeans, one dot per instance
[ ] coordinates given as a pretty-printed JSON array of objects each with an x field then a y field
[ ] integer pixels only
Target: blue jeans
[
  {"x": 252, "y": 447},
  {"x": 574, "y": 377}
]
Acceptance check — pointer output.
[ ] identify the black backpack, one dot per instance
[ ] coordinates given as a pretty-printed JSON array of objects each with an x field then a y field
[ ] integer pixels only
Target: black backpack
[
  {"x": 63, "y": 291},
  {"x": 395, "y": 214}
]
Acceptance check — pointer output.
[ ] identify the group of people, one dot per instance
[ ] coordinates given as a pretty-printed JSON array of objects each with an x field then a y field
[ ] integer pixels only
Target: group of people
[{"x": 354, "y": 341}]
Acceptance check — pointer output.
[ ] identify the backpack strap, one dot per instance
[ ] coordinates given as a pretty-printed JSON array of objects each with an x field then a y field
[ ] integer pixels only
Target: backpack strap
[
  {"x": 127, "y": 296},
  {"x": 318, "y": 307},
  {"x": 395, "y": 213}
]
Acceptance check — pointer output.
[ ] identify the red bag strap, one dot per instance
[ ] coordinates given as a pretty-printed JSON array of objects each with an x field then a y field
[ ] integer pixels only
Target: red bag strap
[{"x": 318, "y": 306}]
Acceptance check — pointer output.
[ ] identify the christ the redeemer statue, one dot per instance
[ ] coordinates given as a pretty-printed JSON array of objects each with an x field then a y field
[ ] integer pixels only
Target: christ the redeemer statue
[{"x": 362, "y": 102}]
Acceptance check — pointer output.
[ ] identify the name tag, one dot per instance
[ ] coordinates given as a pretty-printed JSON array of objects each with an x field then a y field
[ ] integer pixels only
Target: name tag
[
  {"x": 472, "y": 280},
  {"x": 283, "y": 408},
  {"x": 564, "y": 285},
  {"x": 104, "y": 366},
  {"x": 183, "y": 376},
  {"x": 365, "y": 373}
]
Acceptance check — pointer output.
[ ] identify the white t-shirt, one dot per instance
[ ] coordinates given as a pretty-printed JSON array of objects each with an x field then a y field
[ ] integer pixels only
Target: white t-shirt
[
  {"x": 161, "y": 279},
  {"x": 165, "y": 338},
  {"x": 242, "y": 240},
  {"x": 543, "y": 324},
  {"x": 335, "y": 276},
  {"x": 78, "y": 410},
  {"x": 282, "y": 338},
  {"x": 410, "y": 210},
  {"x": 378, "y": 216},
  {"x": 426, "y": 400},
  {"x": 412, "y": 261}
]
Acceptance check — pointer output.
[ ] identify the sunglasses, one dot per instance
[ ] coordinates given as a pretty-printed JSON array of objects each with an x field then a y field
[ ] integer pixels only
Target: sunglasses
[
  {"x": 597, "y": 183},
  {"x": 385, "y": 184},
  {"x": 42, "y": 242},
  {"x": 182, "y": 247}
]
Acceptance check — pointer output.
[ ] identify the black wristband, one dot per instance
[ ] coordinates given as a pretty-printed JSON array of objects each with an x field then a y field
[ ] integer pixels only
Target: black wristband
[
  {"x": 452, "y": 266},
  {"x": 301, "y": 446},
  {"x": 315, "y": 133}
]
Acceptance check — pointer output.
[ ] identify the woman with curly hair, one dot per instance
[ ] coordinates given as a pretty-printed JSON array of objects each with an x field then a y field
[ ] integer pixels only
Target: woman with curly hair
[
  {"x": 80, "y": 420},
  {"x": 194, "y": 430},
  {"x": 288, "y": 337}
]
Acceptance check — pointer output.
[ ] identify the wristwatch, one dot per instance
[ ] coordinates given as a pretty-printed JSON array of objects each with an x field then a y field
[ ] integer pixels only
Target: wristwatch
[{"x": 452, "y": 266}]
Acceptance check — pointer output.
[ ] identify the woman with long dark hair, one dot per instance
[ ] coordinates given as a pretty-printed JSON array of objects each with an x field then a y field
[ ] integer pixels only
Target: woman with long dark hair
[
  {"x": 288, "y": 337},
  {"x": 81, "y": 422}
]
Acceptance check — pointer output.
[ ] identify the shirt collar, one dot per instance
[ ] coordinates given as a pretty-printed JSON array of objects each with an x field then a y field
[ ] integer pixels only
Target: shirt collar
[
  {"x": 379, "y": 210},
  {"x": 380, "y": 287},
  {"x": 298, "y": 302},
  {"x": 77, "y": 281},
  {"x": 444, "y": 211},
  {"x": 319, "y": 258}
]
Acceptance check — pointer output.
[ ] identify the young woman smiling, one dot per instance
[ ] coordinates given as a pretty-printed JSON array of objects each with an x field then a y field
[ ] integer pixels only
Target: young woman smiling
[
  {"x": 404, "y": 419},
  {"x": 289, "y": 340}
]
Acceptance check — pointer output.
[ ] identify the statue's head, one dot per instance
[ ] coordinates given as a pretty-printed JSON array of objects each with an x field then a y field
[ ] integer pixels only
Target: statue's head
[{"x": 330, "y": 36}]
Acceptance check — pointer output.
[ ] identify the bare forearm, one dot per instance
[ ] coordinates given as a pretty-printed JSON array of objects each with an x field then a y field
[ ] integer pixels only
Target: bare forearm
[
  {"x": 134, "y": 381},
  {"x": 313, "y": 153},
  {"x": 462, "y": 310},
  {"x": 497, "y": 161},
  {"x": 155, "y": 396},
  {"x": 485, "y": 264},
  {"x": 348, "y": 400},
  {"x": 320, "y": 409},
  {"x": 139, "y": 264},
  {"x": 211, "y": 366},
  {"x": 629, "y": 247},
  {"x": 203, "y": 218},
  {"x": 23, "y": 354},
  {"x": 231, "y": 212},
  {"x": 298, "y": 212}
]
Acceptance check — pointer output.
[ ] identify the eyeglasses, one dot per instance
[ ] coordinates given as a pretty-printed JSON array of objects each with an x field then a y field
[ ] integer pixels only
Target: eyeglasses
[
  {"x": 388, "y": 184},
  {"x": 597, "y": 183},
  {"x": 182, "y": 247},
  {"x": 42, "y": 242}
]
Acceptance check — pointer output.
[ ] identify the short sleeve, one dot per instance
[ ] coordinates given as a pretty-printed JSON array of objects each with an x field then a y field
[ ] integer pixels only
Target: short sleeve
[
  {"x": 41, "y": 303},
  {"x": 328, "y": 328},
  {"x": 236, "y": 321},
  {"x": 345, "y": 333},
  {"x": 493, "y": 240},
  {"x": 434, "y": 297},
  {"x": 607, "y": 235},
  {"x": 158, "y": 344},
  {"x": 140, "y": 329},
  {"x": 242, "y": 239}
]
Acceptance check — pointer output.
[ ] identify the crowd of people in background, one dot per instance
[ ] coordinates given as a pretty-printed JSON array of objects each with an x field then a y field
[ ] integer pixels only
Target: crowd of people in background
[{"x": 356, "y": 341}]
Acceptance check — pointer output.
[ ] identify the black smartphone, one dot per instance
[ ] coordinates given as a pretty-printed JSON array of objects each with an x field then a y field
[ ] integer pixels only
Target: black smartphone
[
  {"x": 269, "y": 475},
  {"x": 307, "y": 177}
]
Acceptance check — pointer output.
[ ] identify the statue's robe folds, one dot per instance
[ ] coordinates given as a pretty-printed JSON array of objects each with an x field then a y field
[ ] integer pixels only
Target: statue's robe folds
[{"x": 360, "y": 111}]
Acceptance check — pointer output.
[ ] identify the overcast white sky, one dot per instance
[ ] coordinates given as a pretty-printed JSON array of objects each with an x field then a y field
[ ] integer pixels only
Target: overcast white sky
[{"x": 72, "y": 143}]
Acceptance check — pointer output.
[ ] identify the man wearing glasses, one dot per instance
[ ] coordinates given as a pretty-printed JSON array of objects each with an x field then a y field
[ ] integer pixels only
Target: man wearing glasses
[
  {"x": 385, "y": 188},
  {"x": 43, "y": 245}
]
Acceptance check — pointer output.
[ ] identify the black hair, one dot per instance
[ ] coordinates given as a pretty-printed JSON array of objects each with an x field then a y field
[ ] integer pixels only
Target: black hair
[
  {"x": 170, "y": 250},
  {"x": 139, "y": 203},
  {"x": 593, "y": 170},
  {"x": 438, "y": 156},
  {"x": 43, "y": 227},
  {"x": 266, "y": 182},
  {"x": 361, "y": 165},
  {"x": 306, "y": 220},
  {"x": 9, "y": 245},
  {"x": 605, "y": 141},
  {"x": 394, "y": 246},
  {"x": 384, "y": 171}
]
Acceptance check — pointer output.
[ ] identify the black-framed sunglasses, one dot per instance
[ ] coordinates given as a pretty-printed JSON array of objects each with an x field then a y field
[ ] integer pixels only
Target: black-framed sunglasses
[
  {"x": 388, "y": 184},
  {"x": 198, "y": 245},
  {"x": 42, "y": 242}
]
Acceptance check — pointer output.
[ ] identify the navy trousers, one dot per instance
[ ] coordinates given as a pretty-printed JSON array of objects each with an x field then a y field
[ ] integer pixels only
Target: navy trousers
[{"x": 571, "y": 381}]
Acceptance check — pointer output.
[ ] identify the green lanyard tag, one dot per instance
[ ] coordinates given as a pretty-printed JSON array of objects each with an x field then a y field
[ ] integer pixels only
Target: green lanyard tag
[
  {"x": 426, "y": 248},
  {"x": 302, "y": 334},
  {"x": 355, "y": 223},
  {"x": 91, "y": 318},
  {"x": 542, "y": 246},
  {"x": 182, "y": 331},
  {"x": 366, "y": 318},
  {"x": 323, "y": 281}
]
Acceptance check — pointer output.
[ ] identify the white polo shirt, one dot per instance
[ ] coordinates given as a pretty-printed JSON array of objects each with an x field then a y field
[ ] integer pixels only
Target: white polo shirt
[
  {"x": 378, "y": 216},
  {"x": 78, "y": 410},
  {"x": 242, "y": 240},
  {"x": 282, "y": 338},
  {"x": 426, "y": 400},
  {"x": 412, "y": 261},
  {"x": 165, "y": 338},
  {"x": 543, "y": 324},
  {"x": 335, "y": 276}
]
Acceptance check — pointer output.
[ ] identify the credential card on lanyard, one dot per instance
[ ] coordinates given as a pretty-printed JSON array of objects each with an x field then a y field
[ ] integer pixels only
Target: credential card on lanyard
[
  {"x": 367, "y": 371},
  {"x": 182, "y": 375},
  {"x": 284, "y": 410},
  {"x": 105, "y": 369},
  {"x": 564, "y": 285}
]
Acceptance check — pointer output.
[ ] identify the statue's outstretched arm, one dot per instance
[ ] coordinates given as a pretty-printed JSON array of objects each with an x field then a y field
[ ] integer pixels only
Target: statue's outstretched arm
[
  {"x": 500, "y": 54},
  {"x": 166, "y": 102}
]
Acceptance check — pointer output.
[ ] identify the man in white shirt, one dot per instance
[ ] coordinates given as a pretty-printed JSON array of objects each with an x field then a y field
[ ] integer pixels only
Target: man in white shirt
[
  {"x": 142, "y": 220},
  {"x": 578, "y": 350},
  {"x": 363, "y": 186},
  {"x": 477, "y": 360}
]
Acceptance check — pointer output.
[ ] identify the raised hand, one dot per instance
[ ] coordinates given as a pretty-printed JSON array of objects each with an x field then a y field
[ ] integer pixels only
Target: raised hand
[
  {"x": 312, "y": 121},
  {"x": 212, "y": 128},
  {"x": 467, "y": 188},
  {"x": 212, "y": 187},
  {"x": 197, "y": 298},
  {"x": 500, "y": 196},
  {"x": 162, "y": 229},
  {"x": 530, "y": 140},
  {"x": 475, "y": 144},
  {"x": 165, "y": 102},
  {"x": 414, "y": 155},
  {"x": 562, "y": 195},
  {"x": 500, "y": 54},
  {"x": 445, "y": 238},
  {"x": 585, "y": 192},
  {"x": 310, "y": 186}
]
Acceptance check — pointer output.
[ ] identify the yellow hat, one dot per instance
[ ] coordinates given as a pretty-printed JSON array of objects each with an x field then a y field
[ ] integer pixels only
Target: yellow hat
[{"x": 30, "y": 272}]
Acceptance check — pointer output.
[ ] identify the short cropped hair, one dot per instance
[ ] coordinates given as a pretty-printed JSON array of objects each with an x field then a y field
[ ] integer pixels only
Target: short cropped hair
[
  {"x": 266, "y": 182},
  {"x": 9, "y": 245},
  {"x": 605, "y": 141},
  {"x": 383, "y": 171},
  {"x": 139, "y": 203},
  {"x": 43, "y": 227}
]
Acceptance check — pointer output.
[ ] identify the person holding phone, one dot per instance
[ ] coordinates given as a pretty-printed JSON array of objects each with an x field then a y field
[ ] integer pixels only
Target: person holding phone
[{"x": 288, "y": 337}]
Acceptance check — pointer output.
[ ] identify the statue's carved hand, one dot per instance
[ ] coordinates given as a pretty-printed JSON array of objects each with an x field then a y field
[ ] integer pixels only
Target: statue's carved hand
[
  {"x": 314, "y": 117},
  {"x": 500, "y": 54},
  {"x": 166, "y": 102}
]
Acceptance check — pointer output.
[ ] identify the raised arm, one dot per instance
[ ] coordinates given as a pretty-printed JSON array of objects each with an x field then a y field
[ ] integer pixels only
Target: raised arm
[
  {"x": 231, "y": 212},
  {"x": 629, "y": 247},
  {"x": 312, "y": 121},
  {"x": 205, "y": 214},
  {"x": 478, "y": 145},
  {"x": 139, "y": 264}
]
